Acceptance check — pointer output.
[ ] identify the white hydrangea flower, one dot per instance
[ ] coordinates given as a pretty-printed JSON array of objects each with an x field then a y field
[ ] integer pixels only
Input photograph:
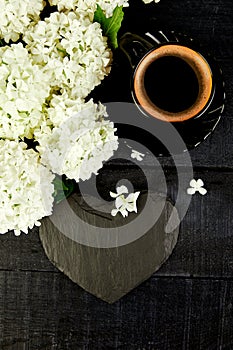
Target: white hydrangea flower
[
  {"x": 79, "y": 146},
  {"x": 89, "y": 6},
  {"x": 24, "y": 88},
  {"x": 43, "y": 87},
  {"x": 108, "y": 6},
  {"x": 16, "y": 16},
  {"x": 72, "y": 50},
  {"x": 62, "y": 108},
  {"x": 26, "y": 188}
]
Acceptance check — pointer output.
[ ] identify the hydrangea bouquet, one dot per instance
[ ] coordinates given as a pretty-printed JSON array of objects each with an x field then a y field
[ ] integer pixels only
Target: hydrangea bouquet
[{"x": 52, "y": 56}]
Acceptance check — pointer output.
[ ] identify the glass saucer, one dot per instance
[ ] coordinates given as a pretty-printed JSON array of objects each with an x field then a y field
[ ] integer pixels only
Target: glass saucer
[{"x": 116, "y": 88}]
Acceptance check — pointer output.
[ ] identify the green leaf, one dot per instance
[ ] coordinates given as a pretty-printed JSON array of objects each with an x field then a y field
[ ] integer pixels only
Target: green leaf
[
  {"x": 110, "y": 26},
  {"x": 62, "y": 188}
]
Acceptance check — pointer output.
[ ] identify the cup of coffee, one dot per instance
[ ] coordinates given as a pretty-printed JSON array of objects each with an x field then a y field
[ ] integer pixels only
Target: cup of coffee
[{"x": 170, "y": 82}]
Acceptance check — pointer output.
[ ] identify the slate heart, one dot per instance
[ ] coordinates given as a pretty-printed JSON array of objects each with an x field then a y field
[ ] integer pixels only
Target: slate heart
[{"x": 111, "y": 272}]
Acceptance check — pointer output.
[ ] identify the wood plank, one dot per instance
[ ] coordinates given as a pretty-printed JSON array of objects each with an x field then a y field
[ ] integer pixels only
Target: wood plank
[
  {"x": 205, "y": 242},
  {"x": 23, "y": 253},
  {"x": 208, "y": 21},
  {"x": 47, "y": 311}
]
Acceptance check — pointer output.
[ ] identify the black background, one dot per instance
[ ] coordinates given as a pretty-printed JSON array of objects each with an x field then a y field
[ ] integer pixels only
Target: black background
[{"x": 188, "y": 304}]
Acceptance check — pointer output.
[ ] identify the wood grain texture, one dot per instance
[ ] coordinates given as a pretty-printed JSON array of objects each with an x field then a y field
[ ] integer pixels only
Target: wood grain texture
[
  {"x": 188, "y": 303},
  {"x": 205, "y": 243},
  {"x": 162, "y": 313}
]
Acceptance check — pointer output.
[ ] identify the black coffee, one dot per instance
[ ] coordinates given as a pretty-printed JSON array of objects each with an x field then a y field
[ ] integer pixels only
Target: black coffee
[{"x": 171, "y": 84}]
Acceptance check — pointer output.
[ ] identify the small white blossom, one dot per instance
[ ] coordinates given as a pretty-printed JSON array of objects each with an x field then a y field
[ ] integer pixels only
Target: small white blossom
[
  {"x": 149, "y": 1},
  {"x": 62, "y": 107},
  {"x": 25, "y": 186},
  {"x": 137, "y": 155},
  {"x": 196, "y": 186},
  {"x": 123, "y": 204},
  {"x": 120, "y": 190},
  {"x": 24, "y": 88},
  {"x": 89, "y": 6},
  {"x": 16, "y": 16}
]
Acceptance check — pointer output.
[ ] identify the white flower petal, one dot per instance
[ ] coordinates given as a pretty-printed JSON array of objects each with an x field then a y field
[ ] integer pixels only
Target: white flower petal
[
  {"x": 124, "y": 212},
  {"x": 120, "y": 201},
  {"x": 130, "y": 198},
  {"x": 193, "y": 183},
  {"x": 136, "y": 195},
  {"x": 202, "y": 191},
  {"x": 200, "y": 183},
  {"x": 17, "y": 233},
  {"x": 114, "y": 212},
  {"x": 113, "y": 195},
  {"x": 138, "y": 155},
  {"x": 130, "y": 207},
  {"x": 122, "y": 189},
  {"x": 191, "y": 191}
]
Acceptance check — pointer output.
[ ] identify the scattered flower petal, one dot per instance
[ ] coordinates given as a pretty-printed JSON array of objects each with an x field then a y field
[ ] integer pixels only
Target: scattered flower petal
[
  {"x": 191, "y": 191},
  {"x": 137, "y": 155},
  {"x": 202, "y": 191},
  {"x": 196, "y": 186}
]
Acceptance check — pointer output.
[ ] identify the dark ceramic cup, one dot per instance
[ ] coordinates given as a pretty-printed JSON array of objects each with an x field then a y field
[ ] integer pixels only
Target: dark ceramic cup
[{"x": 171, "y": 82}]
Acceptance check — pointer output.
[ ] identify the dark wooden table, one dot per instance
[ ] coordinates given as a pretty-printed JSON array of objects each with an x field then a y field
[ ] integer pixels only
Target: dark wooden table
[{"x": 188, "y": 303}]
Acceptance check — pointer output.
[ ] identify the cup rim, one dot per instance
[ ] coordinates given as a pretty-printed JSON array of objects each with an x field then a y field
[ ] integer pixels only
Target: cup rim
[{"x": 200, "y": 67}]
